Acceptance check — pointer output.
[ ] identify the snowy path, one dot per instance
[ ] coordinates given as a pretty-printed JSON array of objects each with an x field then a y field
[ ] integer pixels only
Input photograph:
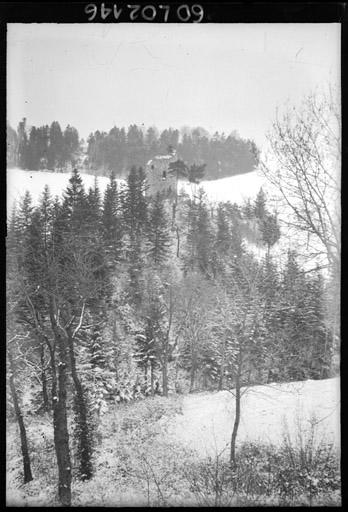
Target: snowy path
[{"x": 207, "y": 419}]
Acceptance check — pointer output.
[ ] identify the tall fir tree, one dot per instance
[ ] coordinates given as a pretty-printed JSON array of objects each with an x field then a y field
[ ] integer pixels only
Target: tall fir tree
[
  {"x": 158, "y": 234},
  {"x": 260, "y": 205},
  {"x": 112, "y": 221}
]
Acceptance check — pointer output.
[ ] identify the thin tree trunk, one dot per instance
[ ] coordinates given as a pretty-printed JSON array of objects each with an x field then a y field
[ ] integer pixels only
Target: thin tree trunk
[
  {"x": 222, "y": 368},
  {"x": 84, "y": 435},
  {"x": 233, "y": 462},
  {"x": 44, "y": 379},
  {"x": 165, "y": 375},
  {"x": 152, "y": 379},
  {"x": 175, "y": 201},
  {"x": 28, "y": 477},
  {"x": 192, "y": 377},
  {"x": 178, "y": 241},
  {"x": 60, "y": 425},
  {"x": 221, "y": 377}
]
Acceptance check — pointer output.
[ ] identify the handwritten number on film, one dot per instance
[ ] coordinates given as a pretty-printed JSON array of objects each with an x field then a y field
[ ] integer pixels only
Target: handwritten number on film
[{"x": 183, "y": 13}]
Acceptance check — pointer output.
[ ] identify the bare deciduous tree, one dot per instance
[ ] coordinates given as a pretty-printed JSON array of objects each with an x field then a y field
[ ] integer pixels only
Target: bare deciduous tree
[{"x": 303, "y": 164}]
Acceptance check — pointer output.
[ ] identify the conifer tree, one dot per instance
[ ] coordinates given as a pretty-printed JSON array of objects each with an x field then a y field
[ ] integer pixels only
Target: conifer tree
[
  {"x": 93, "y": 209},
  {"x": 134, "y": 202},
  {"x": 22, "y": 221},
  {"x": 222, "y": 242},
  {"x": 199, "y": 237},
  {"x": 134, "y": 207},
  {"x": 11, "y": 146},
  {"x": 146, "y": 351},
  {"x": 270, "y": 230},
  {"x": 321, "y": 354},
  {"x": 294, "y": 325},
  {"x": 55, "y": 153},
  {"x": 260, "y": 209},
  {"x": 159, "y": 240},
  {"x": 112, "y": 221},
  {"x": 22, "y": 145},
  {"x": 195, "y": 173}
]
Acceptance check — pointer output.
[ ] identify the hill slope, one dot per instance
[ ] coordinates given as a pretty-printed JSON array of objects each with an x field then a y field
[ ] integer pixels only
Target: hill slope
[{"x": 234, "y": 189}]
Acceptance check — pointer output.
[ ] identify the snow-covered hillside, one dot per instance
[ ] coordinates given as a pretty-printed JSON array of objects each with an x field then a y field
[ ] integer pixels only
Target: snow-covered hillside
[
  {"x": 267, "y": 412},
  {"x": 18, "y": 181},
  {"x": 234, "y": 189}
]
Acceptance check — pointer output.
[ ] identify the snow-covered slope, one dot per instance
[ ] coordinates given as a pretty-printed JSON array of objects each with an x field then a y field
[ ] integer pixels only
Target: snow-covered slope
[
  {"x": 18, "y": 181},
  {"x": 234, "y": 189},
  {"x": 267, "y": 412}
]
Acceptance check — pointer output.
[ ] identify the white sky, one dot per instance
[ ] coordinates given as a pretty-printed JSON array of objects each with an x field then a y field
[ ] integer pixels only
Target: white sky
[{"x": 223, "y": 77}]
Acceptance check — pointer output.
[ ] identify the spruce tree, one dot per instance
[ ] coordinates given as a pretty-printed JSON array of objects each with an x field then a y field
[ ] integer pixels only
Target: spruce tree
[
  {"x": 112, "y": 221},
  {"x": 270, "y": 230},
  {"x": 22, "y": 145},
  {"x": 134, "y": 202},
  {"x": 159, "y": 240},
  {"x": 260, "y": 209},
  {"x": 55, "y": 152},
  {"x": 146, "y": 352}
]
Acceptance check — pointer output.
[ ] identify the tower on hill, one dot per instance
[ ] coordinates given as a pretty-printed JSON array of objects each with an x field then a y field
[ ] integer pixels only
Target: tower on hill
[{"x": 157, "y": 176}]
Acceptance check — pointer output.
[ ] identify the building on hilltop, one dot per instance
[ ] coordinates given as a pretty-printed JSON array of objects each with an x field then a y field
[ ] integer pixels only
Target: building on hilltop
[{"x": 158, "y": 177}]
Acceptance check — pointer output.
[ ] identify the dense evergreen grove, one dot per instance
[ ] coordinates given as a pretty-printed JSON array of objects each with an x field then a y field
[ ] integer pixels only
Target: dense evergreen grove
[
  {"x": 104, "y": 306},
  {"x": 121, "y": 147},
  {"x": 50, "y": 147},
  {"x": 43, "y": 147}
]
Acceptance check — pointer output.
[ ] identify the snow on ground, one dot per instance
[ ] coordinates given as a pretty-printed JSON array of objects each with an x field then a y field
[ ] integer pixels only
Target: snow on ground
[
  {"x": 266, "y": 413},
  {"x": 235, "y": 188},
  {"x": 18, "y": 181}
]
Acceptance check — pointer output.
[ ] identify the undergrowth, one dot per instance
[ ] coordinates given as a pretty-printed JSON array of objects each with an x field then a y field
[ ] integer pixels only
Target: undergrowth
[{"x": 136, "y": 465}]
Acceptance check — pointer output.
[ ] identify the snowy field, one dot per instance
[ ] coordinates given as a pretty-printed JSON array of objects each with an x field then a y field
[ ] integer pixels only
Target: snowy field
[
  {"x": 267, "y": 412},
  {"x": 18, "y": 181},
  {"x": 234, "y": 189}
]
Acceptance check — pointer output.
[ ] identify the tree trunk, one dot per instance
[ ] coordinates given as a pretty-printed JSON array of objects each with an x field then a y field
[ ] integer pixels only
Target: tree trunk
[
  {"x": 221, "y": 377},
  {"x": 23, "y": 435},
  {"x": 165, "y": 375},
  {"x": 84, "y": 434},
  {"x": 178, "y": 241},
  {"x": 222, "y": 368},
  {"x": 205, "y": 380},
  {"x": 45, "y": 400},
  {"x": 152, "y": 379},
  {"x": 233, "y": 462},
  {"x": 192, "y": 377},
  {"x": 60, "y": 426}
]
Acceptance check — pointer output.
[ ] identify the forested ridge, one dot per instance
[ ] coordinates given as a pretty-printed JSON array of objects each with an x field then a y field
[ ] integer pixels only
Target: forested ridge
[{"x": 52, "y": 148}]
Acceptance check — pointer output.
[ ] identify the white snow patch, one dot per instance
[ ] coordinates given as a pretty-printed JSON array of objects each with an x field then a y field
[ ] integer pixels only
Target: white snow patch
[
  {"x": 18, "y": 181},
  {"x": 266, "y": 413},
  {"x": 234, "y": 188}
]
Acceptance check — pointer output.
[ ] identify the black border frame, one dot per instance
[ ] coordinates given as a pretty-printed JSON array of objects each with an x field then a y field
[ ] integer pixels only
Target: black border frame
[{"x": 215, "y": 12}]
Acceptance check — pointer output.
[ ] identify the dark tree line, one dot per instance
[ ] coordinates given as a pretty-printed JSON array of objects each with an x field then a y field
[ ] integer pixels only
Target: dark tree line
[
  {"x": 109, "y": 309},
  {"x": 120, "y": 147},
  {"x": 42, "y": 147},
  {"x": 50, "y": 147}
]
